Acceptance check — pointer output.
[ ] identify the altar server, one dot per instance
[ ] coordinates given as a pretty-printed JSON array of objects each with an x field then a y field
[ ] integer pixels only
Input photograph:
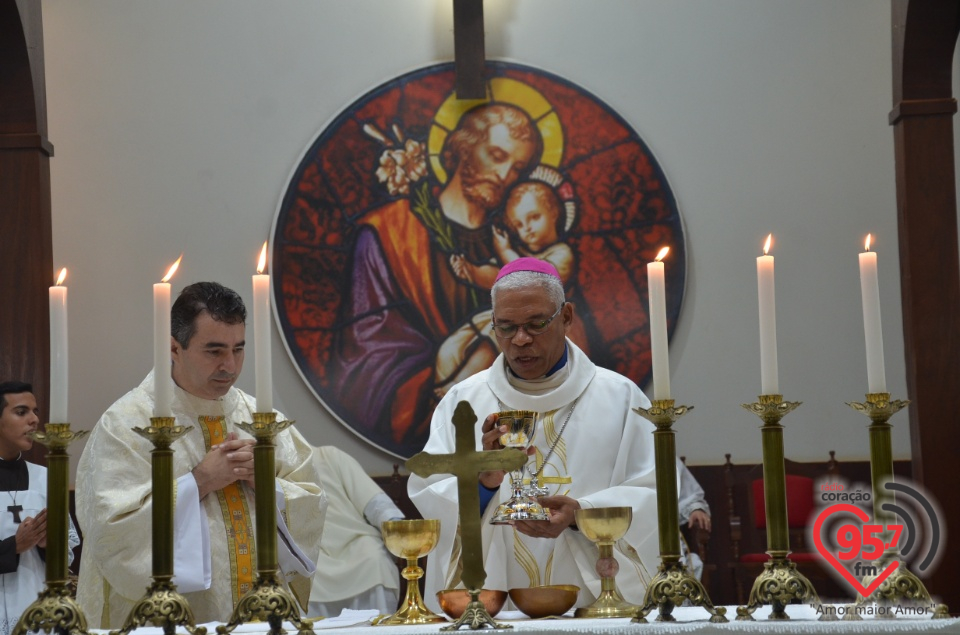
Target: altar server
[{"x": 23, "y": 510}]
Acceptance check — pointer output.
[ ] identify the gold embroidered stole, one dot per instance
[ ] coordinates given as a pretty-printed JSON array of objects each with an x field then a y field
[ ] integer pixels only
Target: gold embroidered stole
[
  {"x": 521, "y": 552},
  {"x": 236, "y": 517}
]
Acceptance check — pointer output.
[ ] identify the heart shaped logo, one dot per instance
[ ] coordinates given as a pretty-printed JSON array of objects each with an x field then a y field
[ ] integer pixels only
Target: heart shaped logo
[{"x": 865, "y": 591}]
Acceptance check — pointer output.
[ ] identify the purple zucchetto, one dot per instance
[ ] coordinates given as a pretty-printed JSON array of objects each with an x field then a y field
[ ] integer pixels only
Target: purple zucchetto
[{"x": 528, "y": 264}]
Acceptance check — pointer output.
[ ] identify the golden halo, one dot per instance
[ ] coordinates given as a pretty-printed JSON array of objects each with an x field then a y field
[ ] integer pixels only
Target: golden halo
[{"x": 499, "y": 90}]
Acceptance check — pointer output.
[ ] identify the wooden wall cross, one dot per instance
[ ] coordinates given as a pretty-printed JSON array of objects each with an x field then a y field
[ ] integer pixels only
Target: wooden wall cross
[{"x": 468, "y": 49}]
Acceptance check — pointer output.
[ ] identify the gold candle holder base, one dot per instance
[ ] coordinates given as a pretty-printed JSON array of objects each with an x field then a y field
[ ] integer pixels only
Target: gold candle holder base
[
  {"x": 54, "y": 610},
  {"x": 475, "y": 616},
  {"x": 779, "y": 583},
  {"x": 162, "y": 606},
  {"x": 673, "y": 584},
  {"x": 411, "y": 539},
  {"x": 267, "y": 601},
  {"x": 901, "y": 584}
]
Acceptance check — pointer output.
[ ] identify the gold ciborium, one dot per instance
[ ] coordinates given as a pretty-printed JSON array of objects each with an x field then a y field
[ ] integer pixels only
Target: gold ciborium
[
  {"x": 411, "y": 539},
  {"x": 521, "y": 428},
  {"x": 605, "y": 526}
]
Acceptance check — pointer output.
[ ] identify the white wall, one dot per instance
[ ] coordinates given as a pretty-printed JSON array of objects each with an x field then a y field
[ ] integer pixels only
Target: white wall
[{"x": 176, "y": 125}]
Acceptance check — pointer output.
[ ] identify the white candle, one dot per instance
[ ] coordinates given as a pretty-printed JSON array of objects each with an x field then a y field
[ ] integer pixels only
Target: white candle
[
  {"x": 659, "y": 351},
  {"x": 769, "y": 379},
  {"x": 870, "y": 292},
  {"x": 162, "y": 381},
  {"x": 261, "y": 335},
  {"x": 58, "y": 351}
]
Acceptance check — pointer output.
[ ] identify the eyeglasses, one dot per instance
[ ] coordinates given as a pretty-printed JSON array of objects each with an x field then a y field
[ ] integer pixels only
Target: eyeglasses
[{"x": 536, "y": 327}]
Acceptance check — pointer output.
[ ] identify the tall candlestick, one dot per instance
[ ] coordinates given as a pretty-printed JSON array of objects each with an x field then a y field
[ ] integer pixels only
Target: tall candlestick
[
  {"x": 162, "y": 381},
  {"x": 58, "y": 350},
  {"x": 659, "y": 351},
  {"x": 261, "y": 334},
  {"x": 870, "y": 292},
  {"x": 769, "y": 377}
]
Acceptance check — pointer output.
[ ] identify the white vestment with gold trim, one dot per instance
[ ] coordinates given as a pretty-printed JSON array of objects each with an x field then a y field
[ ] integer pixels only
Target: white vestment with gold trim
[
  {"x": 604, "y": 458},
  {"x": 114, "y": 509}
]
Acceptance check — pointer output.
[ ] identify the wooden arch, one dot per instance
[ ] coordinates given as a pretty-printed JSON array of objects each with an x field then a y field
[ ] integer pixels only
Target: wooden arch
[
  {"x": 26, "y": 244},
  {"x": 924, "y": 37}
]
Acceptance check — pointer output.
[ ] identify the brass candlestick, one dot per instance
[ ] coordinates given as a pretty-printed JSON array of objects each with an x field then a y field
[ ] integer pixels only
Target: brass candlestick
[
  {"x": 268, "y": 600},
  {"x": 411, "y": 540},
  {"x": 54, "y": 610},
  {"x": 901, "y": 583},
  {"x": 466, "y": 464},
  {"x": 673, "y": 583},
  {"x": 162, "y": 606},
  {"x": 779, "y": 582}
]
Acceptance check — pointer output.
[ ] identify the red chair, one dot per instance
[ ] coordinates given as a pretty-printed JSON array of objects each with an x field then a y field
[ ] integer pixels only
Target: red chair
[{"x": 800, "y": 489}]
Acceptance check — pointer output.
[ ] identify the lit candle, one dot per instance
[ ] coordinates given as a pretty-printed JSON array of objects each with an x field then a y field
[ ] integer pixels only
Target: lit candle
[
  {"x": 162, "y": 381},
  {"x": 261, "y": 334},
  {"x": 769, "y": 380},
  {"x": 870, "y": 292},
  {"x": 659, "y": 352},
  {"x": 58, "y": 350}
]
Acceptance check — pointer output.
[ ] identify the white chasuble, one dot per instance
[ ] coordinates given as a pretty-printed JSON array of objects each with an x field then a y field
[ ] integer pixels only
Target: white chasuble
[
  {"x": 604, "y": 458},
  {"x": 214, "y": 542},
  {"x": 355, "y": 570}
]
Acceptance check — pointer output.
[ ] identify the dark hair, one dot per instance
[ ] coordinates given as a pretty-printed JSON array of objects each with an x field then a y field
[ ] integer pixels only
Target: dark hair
[
  {"x": 12, "y": 388},
  {"x": 223, "y": 305},
  {"x": 475, "y": 126}
]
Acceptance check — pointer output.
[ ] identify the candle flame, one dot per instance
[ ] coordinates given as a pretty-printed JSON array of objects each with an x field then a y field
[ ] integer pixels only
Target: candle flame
[
  {"x": 662, "y": 254},
  {"x": 62, "y": 276},
  {"x": 262, "y": 263},
  {"x": 172, "y": 270},
  {"x": 766, "y": 245},
  {"x": 866, "y": 244}
]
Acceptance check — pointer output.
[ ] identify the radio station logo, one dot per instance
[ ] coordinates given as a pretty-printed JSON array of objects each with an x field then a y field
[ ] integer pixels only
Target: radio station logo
[{"x": 864, "y": 552}]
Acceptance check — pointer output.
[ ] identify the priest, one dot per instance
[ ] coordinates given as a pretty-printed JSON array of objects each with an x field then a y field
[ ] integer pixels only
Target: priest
[
  {"x": 589, "y": 450},
  {"x": 23, "y": 512},
  {"x": 355, "y": 570},
  {"x": 214, "y": 544}
]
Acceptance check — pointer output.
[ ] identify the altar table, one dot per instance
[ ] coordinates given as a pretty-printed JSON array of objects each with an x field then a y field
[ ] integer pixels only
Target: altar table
[{"x": 689, "y": 620}]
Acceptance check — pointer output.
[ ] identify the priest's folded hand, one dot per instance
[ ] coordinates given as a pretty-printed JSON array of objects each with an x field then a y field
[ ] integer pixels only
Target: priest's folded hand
[
  {"x": 562, "y": 515},
  {"x": 225, "y": 463}
]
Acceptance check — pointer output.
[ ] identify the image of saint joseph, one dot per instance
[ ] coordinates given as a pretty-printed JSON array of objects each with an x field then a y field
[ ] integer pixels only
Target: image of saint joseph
[{"x": 404, "y": 298}]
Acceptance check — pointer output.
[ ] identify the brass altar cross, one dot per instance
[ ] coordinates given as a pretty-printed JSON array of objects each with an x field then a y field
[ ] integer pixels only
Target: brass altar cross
[{"x": 466, "y": 464}]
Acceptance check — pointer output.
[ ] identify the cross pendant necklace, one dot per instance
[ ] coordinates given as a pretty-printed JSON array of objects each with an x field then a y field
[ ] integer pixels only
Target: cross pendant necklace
[{"x": 14, "y": 509}]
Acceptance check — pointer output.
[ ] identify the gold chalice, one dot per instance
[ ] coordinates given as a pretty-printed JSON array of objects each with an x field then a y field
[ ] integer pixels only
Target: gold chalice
[
  {"x": 411, "y": 539},
  {"x": 521, "y": 427},
  {"x": 605, "y": 526}
]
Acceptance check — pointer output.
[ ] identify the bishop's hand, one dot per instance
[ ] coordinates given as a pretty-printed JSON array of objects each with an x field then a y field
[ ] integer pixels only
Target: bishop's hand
[
  {"x": 490, "y": 438},
  {"x": 562, "y": 515}
]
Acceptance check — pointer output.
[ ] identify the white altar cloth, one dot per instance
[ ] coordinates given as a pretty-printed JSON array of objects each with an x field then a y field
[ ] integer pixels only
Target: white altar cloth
[{"x": 689, "y": 620}]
